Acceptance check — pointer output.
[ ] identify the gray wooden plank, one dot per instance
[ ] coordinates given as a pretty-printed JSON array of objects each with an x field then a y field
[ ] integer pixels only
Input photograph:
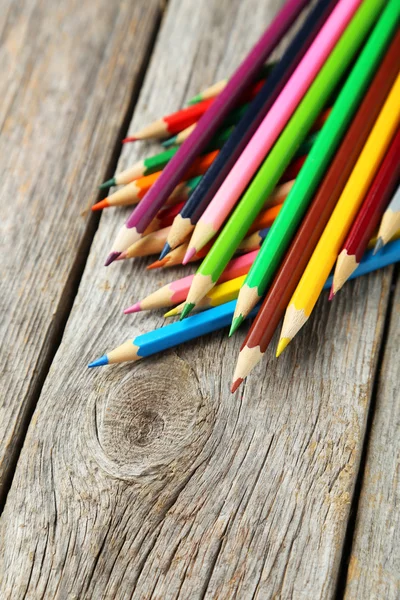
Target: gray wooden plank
[
  {"x": 374, "y": 569},
  {"x": 67, "y": 82},
  {"x": 151, "y": 480}
]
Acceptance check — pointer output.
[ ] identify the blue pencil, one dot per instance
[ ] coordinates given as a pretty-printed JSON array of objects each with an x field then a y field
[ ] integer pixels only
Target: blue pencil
[
  {"x": 248, "y": 124},
  {"x": 219, "y": 317}
]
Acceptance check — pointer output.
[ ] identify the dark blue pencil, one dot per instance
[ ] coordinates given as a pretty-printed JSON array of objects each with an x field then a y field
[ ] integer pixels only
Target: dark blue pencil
[{"x": 184, "y": 223}]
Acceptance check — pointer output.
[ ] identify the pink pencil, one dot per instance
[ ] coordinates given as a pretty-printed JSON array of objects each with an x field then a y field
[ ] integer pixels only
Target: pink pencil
[
  {"x": 176, "y": 292},
  {"x": 205, "y": 129},
  {"x": 272, "y": 126}
]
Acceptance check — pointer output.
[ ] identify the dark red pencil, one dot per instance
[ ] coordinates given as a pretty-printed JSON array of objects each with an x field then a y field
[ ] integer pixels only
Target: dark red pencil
[{"x": 376, "y": 201}]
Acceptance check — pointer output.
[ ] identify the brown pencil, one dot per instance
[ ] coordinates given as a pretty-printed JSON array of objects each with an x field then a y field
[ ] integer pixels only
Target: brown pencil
[{"x": 296, "y": 259}]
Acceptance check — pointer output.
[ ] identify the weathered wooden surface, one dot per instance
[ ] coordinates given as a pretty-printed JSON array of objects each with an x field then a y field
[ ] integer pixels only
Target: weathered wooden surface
[
  {"x": 67, "y": 82},
  {"x": 151, "y": 480},
  {"x": 374, "y": 569}
]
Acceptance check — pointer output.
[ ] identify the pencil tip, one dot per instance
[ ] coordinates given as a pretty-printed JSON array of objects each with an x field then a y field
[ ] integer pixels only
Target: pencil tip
[
  {"x": 283, "y": 342},
  {"x": 100, "y": 362},
  {"x": 186, "y": 310},
  {"x": 132, "y": 138},
  {"x": 189, "y": 255},
  {"x": 157, "y": 264},
  {"x": 132, "y": 309},
  {"x": 100, "y": 205},
  {"x": 169, "y": 142},
  {"x": 107, "y": 184},
  {"x": 331, "y": 294},
  {"x": 166, "y": 250},
  {"x": 194, "y": 100},
  {"x": 111, "y": 257},
  {"x": 378, "y": 246},
  {"x": 122, "y": 256},
  {"x": 236, "y": 323},
  {"x": 236, "y": 384},
  {"x": 171, "y": 313}
]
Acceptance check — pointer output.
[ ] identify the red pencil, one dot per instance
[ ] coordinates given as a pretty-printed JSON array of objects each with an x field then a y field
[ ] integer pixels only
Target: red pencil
[
  {"x": 376, "y": 201},
  {"x": 177, "y": 121}
]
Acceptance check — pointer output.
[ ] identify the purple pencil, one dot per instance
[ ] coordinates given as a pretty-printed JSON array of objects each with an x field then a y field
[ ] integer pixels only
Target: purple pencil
[{"x": 205, "y": 129}]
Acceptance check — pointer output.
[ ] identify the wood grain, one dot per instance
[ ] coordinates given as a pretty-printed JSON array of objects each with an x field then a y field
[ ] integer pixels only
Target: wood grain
[
  {"x": 67, "y": 83},
  {"x": 374, "y": 569},
  {"x": 153, "y": 481}
]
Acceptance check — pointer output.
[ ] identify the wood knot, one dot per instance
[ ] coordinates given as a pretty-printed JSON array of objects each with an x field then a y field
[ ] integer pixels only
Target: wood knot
[{"x": 148, "y": 417}]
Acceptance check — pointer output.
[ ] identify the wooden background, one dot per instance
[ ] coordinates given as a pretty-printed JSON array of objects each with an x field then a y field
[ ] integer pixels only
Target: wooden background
[{"x": 152, "y": 480}]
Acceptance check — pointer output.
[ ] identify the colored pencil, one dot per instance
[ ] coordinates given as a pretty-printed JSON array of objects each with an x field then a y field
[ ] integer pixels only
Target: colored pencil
[
  {"x": 324, "y": 256},
  {"x": 248, "y": 124},
  {"x": 307, "y": 236},
  {"x": 136, "y": 190},
  {"x": 390, "y": 222},
  {"x": 205, "y": 129},
  {"x": 229, "y": 289},
  {"x": 175, "y": 292},
  {"x": 155, "y": 163},
  {"x": 214, "y": 319},
  {"x": 375, "y": 202},
  {"x": 272, "y": 125},
  {"x": 183, "y": 118},
  {"x": 284, "y": 227},
  {"x": 216, "y": 88},
  {"x": 281, "y": 154}
]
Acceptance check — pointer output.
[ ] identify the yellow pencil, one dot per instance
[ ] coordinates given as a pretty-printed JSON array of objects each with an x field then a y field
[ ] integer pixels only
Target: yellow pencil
[{"x": 330, "y": 243}]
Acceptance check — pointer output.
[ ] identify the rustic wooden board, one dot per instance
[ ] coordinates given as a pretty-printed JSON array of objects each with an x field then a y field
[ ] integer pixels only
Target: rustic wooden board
[
  {"x": 68, "y": 81},
  {"x": 152, "y": 480},
  {"x": 374, "y": 569}
]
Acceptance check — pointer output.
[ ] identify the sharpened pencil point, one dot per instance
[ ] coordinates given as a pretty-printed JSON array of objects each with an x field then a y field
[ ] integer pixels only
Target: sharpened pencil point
[
  {"x": 100, "y": 362},
  {"x": 186, "y": 310},
  {"x": 169, "y": 142},
  {"x": 189, "y": 255},
  {"x": 107, "y": 184},
  {"x": 129, "y": 139},
  {"x": 123, "y": 255},
  {"x": 378, "y": 246},
  {"x": 157, "y": 264},
  {"x": 331, "y": 294},
  {"x": 132, "y": 309},
  {"x": 236, "y": 323},
  {"x": 166, "y": 250},
  {"x": 100, "y": 205},
  {"x": 111, "y": 257},
  {"x": 195, "y": 99},
  {"x": 171, "y": 313},
  {"x": 236, "y": 384},
  {"x": 283, "y": 342}
]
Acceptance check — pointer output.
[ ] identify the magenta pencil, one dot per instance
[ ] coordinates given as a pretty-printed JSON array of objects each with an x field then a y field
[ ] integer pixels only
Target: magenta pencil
[{"x": 205, "y": 129}]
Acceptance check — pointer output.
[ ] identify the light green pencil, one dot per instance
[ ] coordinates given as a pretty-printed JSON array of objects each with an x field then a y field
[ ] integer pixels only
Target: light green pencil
[
  {"x": 282, "y": 152},
  {"x": 299, "y": 197}
]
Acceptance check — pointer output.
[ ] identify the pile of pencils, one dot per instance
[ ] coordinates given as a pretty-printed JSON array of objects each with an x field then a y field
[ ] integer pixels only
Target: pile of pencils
[{"x": 273, "y": 179}]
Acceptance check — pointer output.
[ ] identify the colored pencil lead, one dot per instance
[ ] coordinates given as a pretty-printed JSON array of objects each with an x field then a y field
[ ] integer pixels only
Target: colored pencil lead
[
  {"x": 157, "y": 264},
  {"x": 100, "y": 205},
  {"x": 236, "y": 384},
  {"x": 129, "y": 139},
  {"x": 283, "y": 343},
  {"x": 236, "y": 323},
  {"x": 99, "y": 362},
  {"x": 111, "y": 258},
  {"x": 107, "y": 184},
  {"x": 186, "y": 310},
  {"x": 133, "y": 309},
  {"x": 166, "y": 250}
]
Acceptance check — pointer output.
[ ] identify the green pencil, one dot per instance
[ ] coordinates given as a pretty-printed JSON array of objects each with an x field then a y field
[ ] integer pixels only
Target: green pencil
[
  {"x": 299, "y": 197},
  {"x": 282, "y": 153}
]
